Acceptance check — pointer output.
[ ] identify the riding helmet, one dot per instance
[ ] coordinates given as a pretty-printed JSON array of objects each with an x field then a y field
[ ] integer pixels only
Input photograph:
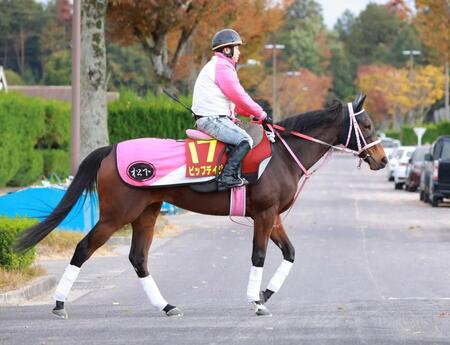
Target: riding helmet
[{"x": 225, "y": 37}]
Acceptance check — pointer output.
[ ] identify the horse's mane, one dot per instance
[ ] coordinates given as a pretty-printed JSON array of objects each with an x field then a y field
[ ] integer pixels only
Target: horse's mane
[{"x": 311, "y": 119}]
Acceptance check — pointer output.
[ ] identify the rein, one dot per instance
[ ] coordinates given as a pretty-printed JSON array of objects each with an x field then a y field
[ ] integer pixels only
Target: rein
[{"x": 354, "y": 126}]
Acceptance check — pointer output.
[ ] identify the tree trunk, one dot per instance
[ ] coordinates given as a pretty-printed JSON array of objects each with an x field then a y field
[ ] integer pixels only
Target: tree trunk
[{"x": 94, "y": 114}]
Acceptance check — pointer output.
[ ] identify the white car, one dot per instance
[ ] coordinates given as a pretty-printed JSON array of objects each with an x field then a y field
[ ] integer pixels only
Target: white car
[
  {"x": 402, "y": 156},
  {"x": 392, "y": 163},
  {"x": 389, "y": 145}
]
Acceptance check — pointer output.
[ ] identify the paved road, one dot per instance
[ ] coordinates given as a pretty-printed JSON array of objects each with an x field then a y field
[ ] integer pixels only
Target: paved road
[{"x": 372, "y": 268}]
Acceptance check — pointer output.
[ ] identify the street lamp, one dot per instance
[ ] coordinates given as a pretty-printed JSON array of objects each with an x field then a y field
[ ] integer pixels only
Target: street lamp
[
  {"x": 274, "y": 47},
  {"x": 411, "y": 54}
]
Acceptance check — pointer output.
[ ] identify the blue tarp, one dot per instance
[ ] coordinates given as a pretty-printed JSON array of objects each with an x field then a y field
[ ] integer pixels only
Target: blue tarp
[{"x": 38, "y": 202}]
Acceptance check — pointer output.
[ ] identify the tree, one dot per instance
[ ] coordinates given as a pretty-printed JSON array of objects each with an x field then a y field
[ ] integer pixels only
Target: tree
[
  {"x": 21, "y": 22},
  {"x": 391, "y": 92},
  {"x": 432, "y": 20},
  {"x": 342, "y": 68},
  {"x": 165, "y": 29},
  {"x": 93, "y": 121},
  {"x": 58, "y": 69},
  {"x": 297, "y": 91},
  {"x": 304, "y": 36}
]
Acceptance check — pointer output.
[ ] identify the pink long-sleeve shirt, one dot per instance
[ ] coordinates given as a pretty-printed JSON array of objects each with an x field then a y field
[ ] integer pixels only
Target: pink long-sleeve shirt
[{"x": 217, "y": 91}]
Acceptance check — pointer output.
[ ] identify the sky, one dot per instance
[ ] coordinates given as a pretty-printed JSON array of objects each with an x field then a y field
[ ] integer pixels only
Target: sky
[{"x": 332, "y": 9}]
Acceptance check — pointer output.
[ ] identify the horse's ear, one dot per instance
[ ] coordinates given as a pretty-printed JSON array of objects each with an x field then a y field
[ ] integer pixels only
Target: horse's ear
[{"x": 359, "y": 102}]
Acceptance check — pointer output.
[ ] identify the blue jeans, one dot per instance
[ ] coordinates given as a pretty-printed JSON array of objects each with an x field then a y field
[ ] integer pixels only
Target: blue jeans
[{"x": 223, "y": 129}]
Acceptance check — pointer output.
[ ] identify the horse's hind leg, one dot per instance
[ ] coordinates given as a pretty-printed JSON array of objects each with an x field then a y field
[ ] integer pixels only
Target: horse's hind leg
[
  {"x": 101, "y": 232},
  {"x": 143, "y": 230},
  {"x": 281, "y": 239}
]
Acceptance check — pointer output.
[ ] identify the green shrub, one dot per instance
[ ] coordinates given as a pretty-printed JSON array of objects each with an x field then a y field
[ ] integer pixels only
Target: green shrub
[
  {"x": 31, "y": 168},
  {"x": 153, "y": 116},
  {"x": 408, "y": 137},
  {"x": 57, "y": 125},
  {"x": 22, "y": 123},
  {"x": 28, "y": 126},
  {"x": 12, "y": 78},
  {"x": 56, "y": 162},
  {"x": 9, "y": 229}
]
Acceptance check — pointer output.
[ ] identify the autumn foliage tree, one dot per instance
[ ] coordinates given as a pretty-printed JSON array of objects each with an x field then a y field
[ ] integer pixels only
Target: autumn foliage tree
[
  {"x": 297, "y": 91},
  {"x": 168, "y": 30},
  {"x": 432, "y": 20},
  {"x": 392, "y": 93}
]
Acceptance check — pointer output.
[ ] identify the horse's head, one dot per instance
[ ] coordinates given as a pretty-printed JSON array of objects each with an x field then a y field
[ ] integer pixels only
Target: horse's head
[{"x": 359, "y": 134}]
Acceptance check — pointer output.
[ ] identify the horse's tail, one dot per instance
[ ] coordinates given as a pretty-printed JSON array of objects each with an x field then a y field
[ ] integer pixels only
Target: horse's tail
[{"x": 85, "y": 179}]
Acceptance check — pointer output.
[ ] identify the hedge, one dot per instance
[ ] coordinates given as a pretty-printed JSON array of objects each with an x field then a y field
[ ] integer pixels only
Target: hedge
[
  {"x": 9, "y": 229},
  {"x": 22, "y": 123},
  {"x": 152, "y": 116},
  {"x": 407, "y": 136},
  {"x": 29, "y": 126},
  {"x": 56, "y": 162}
]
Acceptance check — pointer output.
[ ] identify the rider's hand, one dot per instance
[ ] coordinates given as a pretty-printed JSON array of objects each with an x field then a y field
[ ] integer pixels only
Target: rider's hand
[{"x": 268, "y": 120}]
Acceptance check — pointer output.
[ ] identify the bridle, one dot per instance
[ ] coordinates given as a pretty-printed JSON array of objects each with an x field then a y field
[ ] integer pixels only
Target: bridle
[
  {"x": 353, "y": 127},
  {"x": 360, "y": 139}
]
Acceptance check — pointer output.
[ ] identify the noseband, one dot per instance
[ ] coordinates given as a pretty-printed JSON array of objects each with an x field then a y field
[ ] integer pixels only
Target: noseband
[{"x": 354, "y": 126}]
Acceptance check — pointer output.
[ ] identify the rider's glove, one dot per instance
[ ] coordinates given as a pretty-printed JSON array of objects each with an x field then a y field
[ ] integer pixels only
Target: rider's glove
[{"x": 266, "y": 120}]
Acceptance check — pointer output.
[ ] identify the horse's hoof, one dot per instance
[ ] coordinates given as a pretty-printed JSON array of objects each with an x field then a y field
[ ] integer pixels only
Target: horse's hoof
[
  {"x": 60, "y": 313},
  {"x": 174, "y": 312},
  {"x": 262, "y": 298},
  {"x": 261, "y": 309}
]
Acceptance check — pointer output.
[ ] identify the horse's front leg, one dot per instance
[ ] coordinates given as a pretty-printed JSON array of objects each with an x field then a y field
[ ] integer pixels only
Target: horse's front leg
[
  {"x": 263, "y": 226},
  {"x": 281, "y": 239},
  {"x": 143, "y": 230}
]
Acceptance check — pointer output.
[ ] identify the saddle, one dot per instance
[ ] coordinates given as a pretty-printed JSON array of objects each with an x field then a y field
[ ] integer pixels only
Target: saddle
[{"x": 196, "y": 161}]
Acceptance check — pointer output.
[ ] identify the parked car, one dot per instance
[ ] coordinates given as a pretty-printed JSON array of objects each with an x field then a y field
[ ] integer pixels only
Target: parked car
[
  {"x": 402, "y": 156},
  {"x": 389, "y": 145},
  {"x": 393, "y": 161},
  {"x": 435, "y": 176},
  {"x": 414, "y": 168}
]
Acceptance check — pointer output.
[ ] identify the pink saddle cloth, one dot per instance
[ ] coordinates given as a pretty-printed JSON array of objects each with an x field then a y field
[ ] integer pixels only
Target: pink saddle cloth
[{"x": 151, "y": 162}]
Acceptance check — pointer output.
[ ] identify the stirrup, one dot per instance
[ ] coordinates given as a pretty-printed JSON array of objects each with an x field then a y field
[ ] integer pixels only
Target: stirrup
[{"x": 240, "y": 181}]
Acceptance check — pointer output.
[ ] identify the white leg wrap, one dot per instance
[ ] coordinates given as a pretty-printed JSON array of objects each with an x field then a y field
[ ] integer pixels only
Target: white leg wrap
[
  {"x": 254, "y": 283},
  {"x": 280, "y": 275},
  {"x": 153, "y": 293},
  {"x": 66, "y": 282}
]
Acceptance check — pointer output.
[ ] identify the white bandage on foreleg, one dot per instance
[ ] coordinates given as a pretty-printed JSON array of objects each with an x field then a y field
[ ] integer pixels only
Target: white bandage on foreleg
[
  {"x": 153, "y": 293},
  {"x": 254, "y": 283},
  {"x": 280, "y": 275},
  {"x": 66, "y": 282}
]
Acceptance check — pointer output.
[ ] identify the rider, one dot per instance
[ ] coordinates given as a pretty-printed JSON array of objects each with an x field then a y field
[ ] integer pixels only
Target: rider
[{"x": 218, "y": 94}]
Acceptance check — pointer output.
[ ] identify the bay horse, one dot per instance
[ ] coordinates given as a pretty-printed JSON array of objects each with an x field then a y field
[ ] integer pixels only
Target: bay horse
[{"x": 266, "y": 199}]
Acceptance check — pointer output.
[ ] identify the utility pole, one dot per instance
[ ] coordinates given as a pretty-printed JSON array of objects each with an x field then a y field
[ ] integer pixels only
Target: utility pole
[
  {"x": 76, "y": 43},
  {"x": 274, "y": 47}
]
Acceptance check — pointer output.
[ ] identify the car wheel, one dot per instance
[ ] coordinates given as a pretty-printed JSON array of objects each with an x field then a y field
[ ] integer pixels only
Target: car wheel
[
  {"x": 398, "y": 185},
  {"x": 434, "y": 201},
  {"x": 422, "y": 196}
]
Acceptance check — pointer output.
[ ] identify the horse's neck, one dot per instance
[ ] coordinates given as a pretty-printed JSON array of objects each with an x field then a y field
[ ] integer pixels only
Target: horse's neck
[{"x": 309, "y": 152}]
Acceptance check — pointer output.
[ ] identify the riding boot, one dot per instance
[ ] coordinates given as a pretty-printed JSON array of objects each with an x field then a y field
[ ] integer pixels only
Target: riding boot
[{"x": 230, "y": 176}]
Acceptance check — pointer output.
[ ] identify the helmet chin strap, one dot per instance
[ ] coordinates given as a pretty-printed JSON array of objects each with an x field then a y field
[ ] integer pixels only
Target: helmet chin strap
[{"x": 230, "y": 54}]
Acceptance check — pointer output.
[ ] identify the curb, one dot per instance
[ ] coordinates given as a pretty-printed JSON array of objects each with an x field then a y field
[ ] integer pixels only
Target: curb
[{"x": 37, "y": 287}]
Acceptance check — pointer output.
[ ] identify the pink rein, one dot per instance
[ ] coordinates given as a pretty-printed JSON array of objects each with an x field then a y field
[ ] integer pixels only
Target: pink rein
[{"x": 353, "y": 126}]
